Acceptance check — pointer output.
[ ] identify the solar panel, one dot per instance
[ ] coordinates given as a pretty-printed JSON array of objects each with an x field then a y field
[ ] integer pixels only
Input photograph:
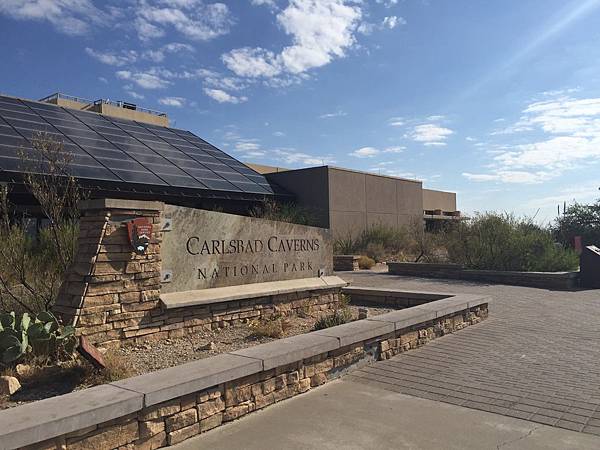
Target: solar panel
[{"x": 124, "y": 151}]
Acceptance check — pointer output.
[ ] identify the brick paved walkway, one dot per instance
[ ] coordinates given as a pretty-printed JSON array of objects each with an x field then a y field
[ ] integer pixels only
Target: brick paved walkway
[{"x": 537, "y": 356}]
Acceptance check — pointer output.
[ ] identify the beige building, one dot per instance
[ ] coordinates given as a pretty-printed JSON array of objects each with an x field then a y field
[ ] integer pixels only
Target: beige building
[
  {"x": 121, "y": 110},
  {"x": 349, "y": 201}
]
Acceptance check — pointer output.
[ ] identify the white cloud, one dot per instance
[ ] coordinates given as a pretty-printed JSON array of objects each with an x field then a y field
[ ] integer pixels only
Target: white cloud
[
  {"x": 279, "y": 134},
  {"x": 194, "y": 19},
  {"x": 470, "y": 139},
  {"x": 570, "y": 136},
  {"x": 395, "y": 149},
  {"x": 113, "y": 59},
  {"x": 388, "y": 23},
  {"x": 247, "y": 146},
  {"x": 144, "y": 80},
  {"x": 223, "y": 97},
  {"x": 392, "y": 22},
  {"x": 333, "y": 114},
  {"x": 269, "y": 3},
  {"x": 177, "y": 102},
  {"x": 321, "y": 30},
  {"x": 135, "y": 95},
  {"x": 430, "y": 134},
  {"x": 387, "y": 3},
  {"x": 396, "y": 122},
  {"x": 71, "y": 17},
  {"x": 291, "y": 156},
  {"x": 365, "y": 152},
  {"x": 158, "y": 55},
  {"x": 511, "y": 176}
]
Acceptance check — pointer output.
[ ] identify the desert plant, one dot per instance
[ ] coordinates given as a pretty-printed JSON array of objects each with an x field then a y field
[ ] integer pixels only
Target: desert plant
[
  {"x": 41, "y": 337},
  {"x": 579, "y": 220},
  {"x": 117, "y": 368},
  {"x": 274, "y": 327},
  {"x": 283, "y": 212},
  {"x": 364, "y": 262},
  {"x": 339, "y": 317},
  {"x": 495, "y": 241},
  {"x": 344, "y": 245},
  {"x": 32, "y": 267}
]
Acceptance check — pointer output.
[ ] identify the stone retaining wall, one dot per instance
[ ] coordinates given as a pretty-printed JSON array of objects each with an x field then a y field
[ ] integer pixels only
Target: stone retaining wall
[
  {"x": 168, "y": 406},
  {"x": 547, "y": 280},
  {"x": 345, "y": 263}
]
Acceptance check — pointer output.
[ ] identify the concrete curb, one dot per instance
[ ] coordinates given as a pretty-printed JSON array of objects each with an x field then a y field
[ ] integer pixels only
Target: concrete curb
[
  {"x": 49, "y": 418},
  {"x": 249, "y": 291}
]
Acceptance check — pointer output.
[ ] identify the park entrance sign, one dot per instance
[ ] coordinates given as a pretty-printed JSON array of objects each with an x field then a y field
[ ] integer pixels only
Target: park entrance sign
[
  {"x": 205, "y": 249},
  {"x": 146, "y": 271}
]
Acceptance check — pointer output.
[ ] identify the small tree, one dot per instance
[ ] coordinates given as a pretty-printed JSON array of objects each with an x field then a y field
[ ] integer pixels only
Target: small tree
[{"x": 32, "y": 266}]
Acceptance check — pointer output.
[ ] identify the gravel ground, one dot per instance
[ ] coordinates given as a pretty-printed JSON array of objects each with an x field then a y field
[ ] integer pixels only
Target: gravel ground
[
  {"x": 172, "y": 352},
  {"x": 144, "y": 358}
]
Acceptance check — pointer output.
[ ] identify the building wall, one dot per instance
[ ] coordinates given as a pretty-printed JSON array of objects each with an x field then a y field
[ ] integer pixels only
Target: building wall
[
  {"x": 114, "y": 111},
  {"x": 446, "y": 201},
  {"x": 262, "y": 169},
  {"x": 310, "y": 186},
  {"x": 359, "y": 200},
  {"x": 130, "y": 114},
  {"x": 349, "y": 201}
]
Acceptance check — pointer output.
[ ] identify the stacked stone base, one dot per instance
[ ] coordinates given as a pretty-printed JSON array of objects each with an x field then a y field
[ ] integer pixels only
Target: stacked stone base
[
  {"x": 345, "y": 263},
  {"x": 147, "y": 321},
  {"x": 176, "y": 420}
]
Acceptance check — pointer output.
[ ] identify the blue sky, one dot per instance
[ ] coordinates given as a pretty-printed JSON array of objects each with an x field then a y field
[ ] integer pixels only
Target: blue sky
[{"x": 498, "y": 101}]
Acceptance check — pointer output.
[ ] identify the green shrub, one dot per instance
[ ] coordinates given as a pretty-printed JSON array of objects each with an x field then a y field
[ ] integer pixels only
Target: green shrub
[
  {"x": 364, "y": 262},
  {"x": 339, "y": 317},
  {"x": 283, "y": 212},
  {"x": 378, "y": 242},
  {"x": 494, "y": 241},
  {"x": 345, "y": 245},
  {"x": 579, "y": 220},
  {"x": 32, "y": 266}
]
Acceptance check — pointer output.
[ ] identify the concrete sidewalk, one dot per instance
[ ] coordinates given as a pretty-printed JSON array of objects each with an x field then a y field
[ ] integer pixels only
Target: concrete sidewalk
[{"x": 347, "y": 415}]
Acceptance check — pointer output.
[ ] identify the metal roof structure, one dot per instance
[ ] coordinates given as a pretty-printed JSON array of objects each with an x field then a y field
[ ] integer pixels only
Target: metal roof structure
[{"x": 127, "y": 156}]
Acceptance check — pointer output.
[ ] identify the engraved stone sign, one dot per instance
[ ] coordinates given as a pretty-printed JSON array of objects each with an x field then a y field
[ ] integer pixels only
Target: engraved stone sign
[{"x": 206, "y": 249}]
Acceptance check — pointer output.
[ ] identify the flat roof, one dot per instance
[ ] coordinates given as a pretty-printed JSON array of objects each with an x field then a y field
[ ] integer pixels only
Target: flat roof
[
  {"x": 283, "y": 170},
  {"x": 124, "y": 154}
]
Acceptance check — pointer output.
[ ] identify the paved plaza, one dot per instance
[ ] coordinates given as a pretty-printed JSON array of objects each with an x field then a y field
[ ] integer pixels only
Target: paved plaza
[
  {"x": 537, "y": 356},
  {"x": 528, "y": 377}
]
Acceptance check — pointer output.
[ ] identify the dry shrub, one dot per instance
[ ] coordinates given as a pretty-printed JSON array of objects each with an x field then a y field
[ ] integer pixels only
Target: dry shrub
[
  {"x": 339, "y": 317},
  {"x": 273, "y": 328},
  {"x": 364, "y": 262},
  {"x": 117, "y": 368},
  {"x": 32, "y": 267}
]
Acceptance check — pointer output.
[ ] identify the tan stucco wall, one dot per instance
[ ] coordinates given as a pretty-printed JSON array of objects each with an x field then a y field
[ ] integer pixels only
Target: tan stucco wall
[
  {"x": 114, "y": 111},
  {"x": 72, "y": 104},
  {"x": 349, "y": 201},
  {"x": 310, "y": 186},
  {"x": 130, "y": 114},
  {"x": 261, "y": 168},
  {"x": 446, "y": 201},
  {"x": 359, "y": 200}
]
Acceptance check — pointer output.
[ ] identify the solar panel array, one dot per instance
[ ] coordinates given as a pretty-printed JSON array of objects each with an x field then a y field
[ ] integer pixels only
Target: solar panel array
[{"x": 121, "y": 151}]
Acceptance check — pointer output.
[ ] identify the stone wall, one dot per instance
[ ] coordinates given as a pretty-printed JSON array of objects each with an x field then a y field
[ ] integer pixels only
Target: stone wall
[
  {"x": 345, "y": 263},
  {"x": 113, "y": 295},
  {"x": 544, "y": 280},
  {"x": 111, "y": 292},
  {"x": 173, "y": 410}
]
